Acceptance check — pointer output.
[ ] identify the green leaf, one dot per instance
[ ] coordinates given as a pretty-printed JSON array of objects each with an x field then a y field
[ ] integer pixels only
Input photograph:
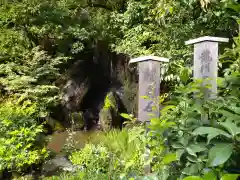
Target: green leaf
[
  {"x": 212, "y": 132},
  {"x": 234, "y": 7},
  {"x": 236, "y": 109},
  {"x": 191, "y": 152},
  {"x": 230, "y": 116},
  {"x": 193, "y": 178},
  {"x": 192, "y": 169},
  {"x": 166, "y": 109},
  {"x": 144, "y": 97},
  {"x": 164, "y": 174},
  {"x": 126, "y": 116},
  {"x": 220, "y": 82},
  {"x": 184, "y": 140},
  {"x": 179, "y": 153},
  {"x": 184, "y": 75},
  {"x": 171, "y": 10},
  {"x": 231, "y": 127},
  {"x": 177, "y": 146},
  {"x": 169, "y": 158},
  {"x": 197, "y": 148},
  {"x": 230, "y": 177},
  {"x": 219, "y": 154},
  {"x": 210, "y": 176},
  {"x": 192, "y": 158}
]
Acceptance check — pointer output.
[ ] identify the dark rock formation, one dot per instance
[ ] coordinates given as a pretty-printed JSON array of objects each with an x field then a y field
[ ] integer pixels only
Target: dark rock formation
[
  {"x": 56, "y": 165},
  {"x": 88, "y": 82}
]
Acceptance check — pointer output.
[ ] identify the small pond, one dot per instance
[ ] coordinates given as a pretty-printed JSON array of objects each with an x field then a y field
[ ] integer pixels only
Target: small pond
[{"x": 80, "y": 138}]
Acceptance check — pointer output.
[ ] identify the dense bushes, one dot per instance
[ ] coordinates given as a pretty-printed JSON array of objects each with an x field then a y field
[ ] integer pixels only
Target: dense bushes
[
  {"x": 194, "y": 139},
  {"x": 205, "y": 135},
  {"x": 19, "y": 132},
  {"x": 119, "y": 154},
  {"x": 39, "y": 39}
]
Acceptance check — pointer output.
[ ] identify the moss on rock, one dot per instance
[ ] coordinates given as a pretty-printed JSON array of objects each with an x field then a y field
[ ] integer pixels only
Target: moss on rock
[
  {"x": 109, "y": 115},
  {"x": 77, "y": 120}
]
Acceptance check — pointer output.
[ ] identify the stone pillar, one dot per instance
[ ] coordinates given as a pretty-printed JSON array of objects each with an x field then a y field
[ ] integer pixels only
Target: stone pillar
[
  {"x": 206, "y": 61},
  {"x": 149, "y": 86},
  {"x": 149, "y": 91}
]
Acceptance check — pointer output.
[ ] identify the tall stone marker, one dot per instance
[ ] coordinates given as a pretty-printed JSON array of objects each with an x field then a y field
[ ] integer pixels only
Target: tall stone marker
[
  {"x": 149, "y": 86},
  {"x": 206, "y": 61}
]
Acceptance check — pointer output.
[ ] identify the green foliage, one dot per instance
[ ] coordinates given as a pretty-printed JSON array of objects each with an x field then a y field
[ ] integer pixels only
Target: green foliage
[
  {"x": 68, "y": 176},
  {"x": 109, "y": 114},
  {"x": 199, "y": 135},
  {"x": 130, "y": 96},
  {"x": 204, "y": 132},
  {"x": 39, "y": 39},
  {"x": 110, "y": 101},
  {"x": 162, "y": 27},
  {"x": 94, "y": 157},
  {"x": 193, "y": 178},
  {"x": 130, "y": 120},
  {"x": 213, "y": 177},
  {"x": 19, "y": 132},
  {"x": 119, "y": 154},
  {"x": 231, "y": 59},
  {"x": 30, "y": 81},
  {"x": 128, "y": 145}
]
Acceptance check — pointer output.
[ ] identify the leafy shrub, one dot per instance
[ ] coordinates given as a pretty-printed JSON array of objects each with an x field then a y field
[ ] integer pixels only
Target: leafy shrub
[
  {"x": 120, "y": 154},
  {"x": 94, "y": 159},
  {"x": 79, "y": 176},
  {"x": 211, "y": 176},
  {"x": 18, "y": 134},
  {"x": 129, "y": 146},
  {"x": 204, "y": 133}
]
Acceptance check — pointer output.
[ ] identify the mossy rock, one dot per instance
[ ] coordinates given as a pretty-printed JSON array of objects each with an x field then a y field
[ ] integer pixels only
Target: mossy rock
[
  {"x": 77, "y": 120},
  {"x": 109, "y": 116},
  {"x": 105, "y": 118},
  {"x": 130, "y": 97},
  {"x": 54, "y": 124},
  {"x": 110, "y": 102}
]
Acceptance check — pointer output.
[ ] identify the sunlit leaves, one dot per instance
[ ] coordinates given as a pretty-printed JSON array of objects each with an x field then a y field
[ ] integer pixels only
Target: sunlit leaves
[
  {"x": 18, "y": 136},
  {"x": 210, "y": 175},
  {"x": 168, "y": 158},
  {"x": 193, "y": 178},
  {"x": 230, "y": 177}
]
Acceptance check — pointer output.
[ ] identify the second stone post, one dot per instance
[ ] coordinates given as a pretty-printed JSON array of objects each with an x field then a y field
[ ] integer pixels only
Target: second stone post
[{"x": 206, "y": 61}]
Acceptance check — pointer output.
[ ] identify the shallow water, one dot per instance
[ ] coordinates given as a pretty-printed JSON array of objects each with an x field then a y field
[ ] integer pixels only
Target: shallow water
[{"x": 80, "y": 138}]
